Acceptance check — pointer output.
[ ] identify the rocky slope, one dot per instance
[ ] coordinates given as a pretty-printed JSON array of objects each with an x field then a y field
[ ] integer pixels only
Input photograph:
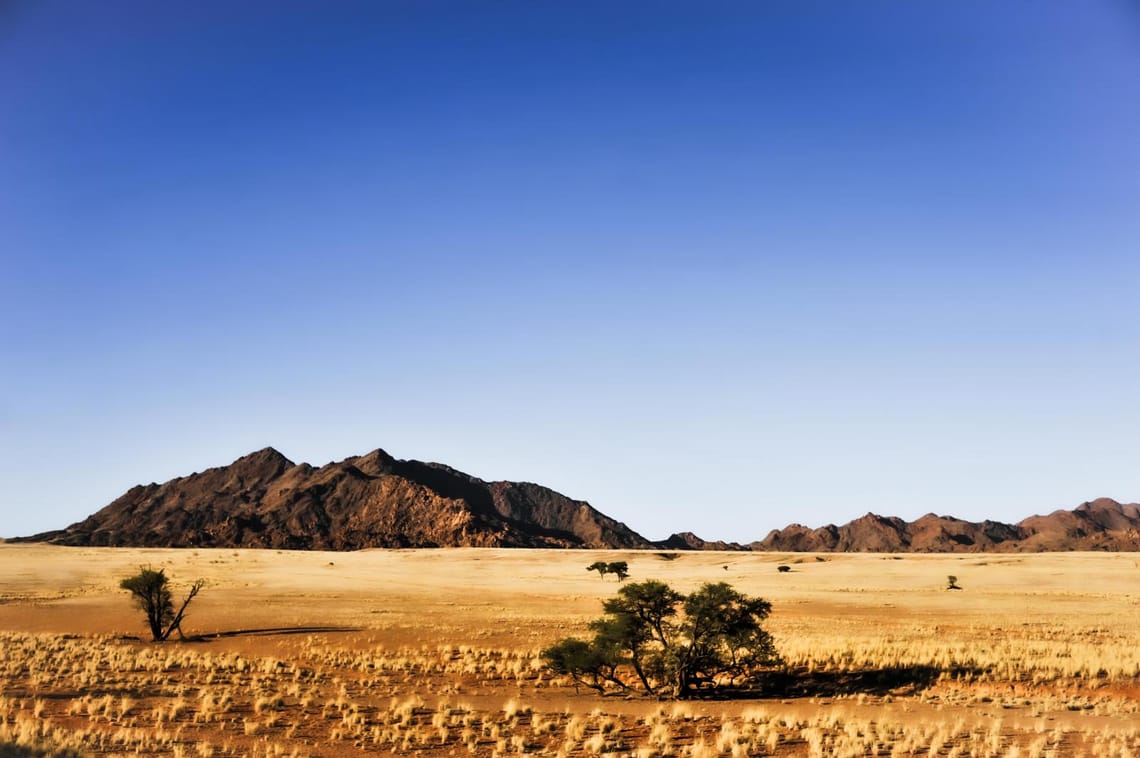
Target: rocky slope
[
  {"x": 265, "y": 500},
  {"x": 1102, "y": 524}
]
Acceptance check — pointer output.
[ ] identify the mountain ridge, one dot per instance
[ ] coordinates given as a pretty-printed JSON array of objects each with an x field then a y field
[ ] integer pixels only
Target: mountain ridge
[
  {"x": 1101, "y": 524},
  {"x": 265, "y": 500}
]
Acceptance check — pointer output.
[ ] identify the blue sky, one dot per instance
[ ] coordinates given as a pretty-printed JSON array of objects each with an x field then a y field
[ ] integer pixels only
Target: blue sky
[{"x": 710, "y": 266}]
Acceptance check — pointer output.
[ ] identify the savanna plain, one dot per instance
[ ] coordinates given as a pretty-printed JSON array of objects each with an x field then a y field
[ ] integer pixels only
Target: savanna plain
[{"x": 437, "y": 653}]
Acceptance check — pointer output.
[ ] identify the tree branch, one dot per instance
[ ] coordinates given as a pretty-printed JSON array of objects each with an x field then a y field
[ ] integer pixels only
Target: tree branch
[{"x": 176, "y": 623}]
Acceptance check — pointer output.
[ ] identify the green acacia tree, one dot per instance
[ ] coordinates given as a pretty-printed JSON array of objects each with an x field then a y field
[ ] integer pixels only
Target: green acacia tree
[
  {"x": 586, "y": 662},
  {"x": 669, "y": 644},
  {"x": 151, "y": 592},
  {"x": 620, "y": 569},
  {"x": 601, "y": 567}
]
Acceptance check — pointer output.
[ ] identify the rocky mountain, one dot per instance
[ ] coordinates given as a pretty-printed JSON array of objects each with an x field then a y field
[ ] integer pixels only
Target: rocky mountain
[
  {"x": 374, "y": 500},
  {"x": 1102, "y": 524},
  {"x": 690, "y": 541}
]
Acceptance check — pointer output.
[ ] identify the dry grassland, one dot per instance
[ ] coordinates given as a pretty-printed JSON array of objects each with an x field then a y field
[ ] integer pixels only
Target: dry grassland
[{"x": 435, "y": 652}]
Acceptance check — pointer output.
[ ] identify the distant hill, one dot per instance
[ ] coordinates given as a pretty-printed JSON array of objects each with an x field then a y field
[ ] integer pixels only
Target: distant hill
[
  {"x": 1102, "y": 524},
  {"x": 265, "y": 500},
  {"x": 690, "y": 541}
]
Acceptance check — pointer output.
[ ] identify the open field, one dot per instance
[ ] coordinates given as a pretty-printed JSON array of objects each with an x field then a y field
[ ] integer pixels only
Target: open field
[{"x": 435, "y": 652}]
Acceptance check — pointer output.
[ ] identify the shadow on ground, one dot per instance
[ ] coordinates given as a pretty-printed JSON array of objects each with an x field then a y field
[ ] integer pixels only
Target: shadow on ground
[
  {"x": 801, "y": 683},
  {"x": 20, "y": 751},
  {"x": 271, "y": 632},
  {"x": 897, "y": 680}
]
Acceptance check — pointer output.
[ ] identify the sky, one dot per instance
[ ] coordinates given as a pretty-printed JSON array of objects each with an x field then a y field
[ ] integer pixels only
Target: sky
[{"x": 715, "y": 266}]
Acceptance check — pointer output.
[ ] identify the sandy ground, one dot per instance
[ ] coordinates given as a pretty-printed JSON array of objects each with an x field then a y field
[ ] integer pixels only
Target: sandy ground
[{"x": 1050, "y": 641}]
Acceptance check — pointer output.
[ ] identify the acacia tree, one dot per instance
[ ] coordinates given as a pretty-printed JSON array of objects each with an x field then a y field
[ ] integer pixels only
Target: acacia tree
[
  {"x": 721, "y": 638},
  {"x": 586, "y": 662},
  {"x": 620, "y": 569},
  {"x": 601, "y": 567},
  {"x": 151, "y": 592},
  {"x": 670, "y": 644},
  {"x": 637, "y": 628}
]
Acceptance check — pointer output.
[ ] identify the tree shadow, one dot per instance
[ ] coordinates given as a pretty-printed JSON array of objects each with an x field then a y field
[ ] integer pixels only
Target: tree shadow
[
  {"x": 8, "y": 750},
  {"x": 271, "y": 632},
  {"x": 800, "y": 683},
  {"x": 897, "y": 680}
]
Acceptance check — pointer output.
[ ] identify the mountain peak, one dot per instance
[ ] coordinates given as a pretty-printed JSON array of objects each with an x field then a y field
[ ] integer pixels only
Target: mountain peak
[
  {"x": 375, "y": 463},
  {"x": 267, "y": 454},
  {"x": 1100, "y": 504}
]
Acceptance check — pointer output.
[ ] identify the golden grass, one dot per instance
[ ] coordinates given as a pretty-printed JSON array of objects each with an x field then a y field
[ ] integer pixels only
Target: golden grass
[{"x": 436, "y": 653}]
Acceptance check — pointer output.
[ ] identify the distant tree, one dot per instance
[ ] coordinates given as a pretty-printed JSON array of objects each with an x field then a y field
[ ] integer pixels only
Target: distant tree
[
  {"x": 620, "y": 569},
  {"x": 151, "y": 592},
  {"x": 601, "y": 567},
  {"x": 671, "y": 644},
  {"x": 783, "y": 569},
  {"x": 952, "y": 583}
]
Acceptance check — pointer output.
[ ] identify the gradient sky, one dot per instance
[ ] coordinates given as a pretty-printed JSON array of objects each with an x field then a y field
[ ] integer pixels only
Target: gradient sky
[{"x": 710, "y": 266}]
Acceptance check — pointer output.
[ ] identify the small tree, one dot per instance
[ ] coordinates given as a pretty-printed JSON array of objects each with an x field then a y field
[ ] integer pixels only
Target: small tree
[
  {"x": 671, "y": 644},
  {"x": 620, "y": 569},
  {"x": 952, "y": 583},
  {"x": 601, "y": 567},
  {"x": 151, "y": 592}
]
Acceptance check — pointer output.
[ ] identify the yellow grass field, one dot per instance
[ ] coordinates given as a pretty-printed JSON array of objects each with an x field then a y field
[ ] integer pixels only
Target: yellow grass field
[{"x": 435, "y": 652}]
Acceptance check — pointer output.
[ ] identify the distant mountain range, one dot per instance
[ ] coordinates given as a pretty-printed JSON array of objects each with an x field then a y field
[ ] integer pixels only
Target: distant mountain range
[
  {"x": 264, "y": 500},
  {"x": 1102, "y": 524}
]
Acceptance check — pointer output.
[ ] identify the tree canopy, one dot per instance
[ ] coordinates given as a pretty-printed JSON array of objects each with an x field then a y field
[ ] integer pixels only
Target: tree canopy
[{"x": 669, "y": 644}]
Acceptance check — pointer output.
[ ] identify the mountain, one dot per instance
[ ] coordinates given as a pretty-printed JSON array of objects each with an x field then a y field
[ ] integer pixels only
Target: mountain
[
  {"x": 690, "y": 541},
  {"x": 1102, "y": 524},
  {"x": 265, "y": 500}
]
